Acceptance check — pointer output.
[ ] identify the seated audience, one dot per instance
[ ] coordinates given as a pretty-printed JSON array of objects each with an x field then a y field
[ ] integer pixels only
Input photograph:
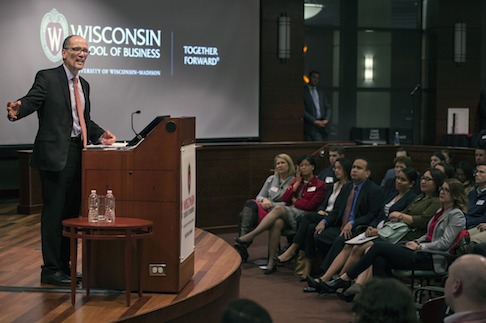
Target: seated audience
[
  {"x": 400, "y": 163},
  {"x": 342, "y": 170},
  {"x": 359, "y": 204},
  {"x": 477, "y": 199},
  {"x": 390, "y": 173},
  {"x": 304, "y": 194},
  {"x": 245, "y": 311},
  {"x": 465, "y": 290},
  {"x": 465, "y": 174},
  {"x": 448, "y": 155},
  {"x": 383, "y": 301},
  {"x": 327, "y": 174},
  {"x": 480, "y": 155},
  {"x": 447, "y": 169},
  {"x": 436, "y": 158},
  {"x": 442, "y": 231},
  {"x": 270, "y": 195},
  {"x": 478, "y": 233},
  {"x": 416, "y": 215}
]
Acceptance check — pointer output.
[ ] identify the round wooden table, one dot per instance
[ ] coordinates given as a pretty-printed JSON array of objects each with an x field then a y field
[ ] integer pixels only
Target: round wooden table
[{"x": 127, "y": 229}]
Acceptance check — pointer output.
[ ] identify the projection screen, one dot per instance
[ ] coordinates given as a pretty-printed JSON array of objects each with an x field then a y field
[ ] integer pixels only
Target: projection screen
[{"x": 179, "y": 58}]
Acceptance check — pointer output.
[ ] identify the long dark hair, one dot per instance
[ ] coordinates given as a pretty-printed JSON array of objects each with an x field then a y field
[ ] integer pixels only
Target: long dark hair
[
  {"x": 438, "y": 177},
  {"x": 347, "y": 165}
]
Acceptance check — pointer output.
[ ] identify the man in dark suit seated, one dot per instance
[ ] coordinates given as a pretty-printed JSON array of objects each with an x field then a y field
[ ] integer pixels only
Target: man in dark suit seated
[
  {"x": 359, "y": 203},
  {"x": 61, "y": 99}
]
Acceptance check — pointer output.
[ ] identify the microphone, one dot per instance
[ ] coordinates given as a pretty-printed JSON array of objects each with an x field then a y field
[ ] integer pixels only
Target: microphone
[
  {"x": 417, "y": 87},
  {"x": 136, "y": 133}
]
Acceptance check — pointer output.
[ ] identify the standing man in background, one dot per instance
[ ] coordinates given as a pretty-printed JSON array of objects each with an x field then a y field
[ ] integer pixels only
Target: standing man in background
[
  {"x": 317, "y": 111},
  {"x": 61, "y": 99}
]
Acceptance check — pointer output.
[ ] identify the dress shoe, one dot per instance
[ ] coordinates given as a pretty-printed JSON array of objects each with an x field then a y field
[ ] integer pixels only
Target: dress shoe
[
  {"x": 270, "y": 271},
  {"x": 242, "y": 243},
  {"x": 334, "y": 284},
  {"x": 57, "y": 278},
  {"x": 79, "y": 276},
  {"x": 243, "y": 251},
  {"x": 312, "y": 282},
  {"x": 317, "y": 284},
  {"x": 280, "y": 262}
]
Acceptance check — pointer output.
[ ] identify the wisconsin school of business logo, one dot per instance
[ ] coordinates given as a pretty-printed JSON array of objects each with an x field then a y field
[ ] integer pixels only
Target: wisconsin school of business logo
[{"x": 54, "y": 28}]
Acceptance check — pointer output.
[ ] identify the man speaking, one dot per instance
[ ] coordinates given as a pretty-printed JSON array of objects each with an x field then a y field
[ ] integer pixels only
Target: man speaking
[{"x": 61, "y": 99}]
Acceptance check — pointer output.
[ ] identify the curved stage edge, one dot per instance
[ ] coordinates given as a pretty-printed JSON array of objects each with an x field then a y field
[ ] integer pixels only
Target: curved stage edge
[{"x": 216, "y": 282}]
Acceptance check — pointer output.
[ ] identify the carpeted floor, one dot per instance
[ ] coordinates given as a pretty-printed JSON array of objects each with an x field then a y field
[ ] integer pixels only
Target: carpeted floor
[{"x": 281, "y": 292}]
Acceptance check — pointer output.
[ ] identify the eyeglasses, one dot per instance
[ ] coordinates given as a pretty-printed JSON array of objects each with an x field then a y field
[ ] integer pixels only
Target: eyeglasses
[
  {"x": 78, "y": 50},
  {"x": 444, "y": 189},
  {"x": 426, "y": 179}
]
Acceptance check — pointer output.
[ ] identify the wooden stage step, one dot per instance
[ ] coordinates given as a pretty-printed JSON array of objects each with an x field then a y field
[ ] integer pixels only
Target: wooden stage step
[{"x": 23, "y": 299}]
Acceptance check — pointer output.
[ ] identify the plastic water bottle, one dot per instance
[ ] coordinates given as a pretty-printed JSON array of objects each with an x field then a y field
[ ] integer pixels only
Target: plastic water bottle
[
  {"x": 93, "y": 204},
  {"x": 110, "y": 206},
  {"x": 396, "y": 139}
]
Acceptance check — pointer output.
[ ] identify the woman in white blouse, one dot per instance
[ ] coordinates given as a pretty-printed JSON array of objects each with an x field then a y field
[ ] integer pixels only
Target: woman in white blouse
[{"x": 342, "y": 171}]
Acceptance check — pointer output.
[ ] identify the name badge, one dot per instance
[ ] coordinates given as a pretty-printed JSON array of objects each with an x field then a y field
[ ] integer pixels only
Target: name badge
[
  {"x": 274, "y": 189},
  {"x": 311, "y": 189},
  {"x": 480, "y": 202},
  {"x": 329, "y": 180}
]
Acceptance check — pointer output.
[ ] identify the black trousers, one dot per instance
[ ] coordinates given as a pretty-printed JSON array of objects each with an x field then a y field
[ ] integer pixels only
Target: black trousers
[
  {"x": 61, "y": 199},
  {"x": 304, "y": 236},
  {"x": 385, "y": 256},
  {"x": 325, "y": 240}
]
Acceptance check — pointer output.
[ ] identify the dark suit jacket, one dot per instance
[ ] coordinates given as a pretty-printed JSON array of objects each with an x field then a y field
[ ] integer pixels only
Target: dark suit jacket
[
  {"x": 50, "y": 97},
  {"x": 369, "y": 205},
  {"x": 310, "y": 110},
  {"x": 400, "y": 205}
]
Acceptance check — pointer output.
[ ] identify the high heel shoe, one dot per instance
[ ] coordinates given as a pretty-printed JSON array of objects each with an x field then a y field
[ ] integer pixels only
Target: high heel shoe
[
  {"x": 318, "y": 285},
  {"x": 334, "y": 284},
  {"x": 280, "y": 262},
  {"x": 242, "y": 243},
  {"x": 312, "y": 282},
  {"x": 243, "y": 252}
]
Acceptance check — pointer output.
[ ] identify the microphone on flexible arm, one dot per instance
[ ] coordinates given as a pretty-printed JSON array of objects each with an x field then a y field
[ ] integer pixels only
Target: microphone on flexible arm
[
  {"x": 136, "y": 133},
  {"x": 417, "y": 87}
]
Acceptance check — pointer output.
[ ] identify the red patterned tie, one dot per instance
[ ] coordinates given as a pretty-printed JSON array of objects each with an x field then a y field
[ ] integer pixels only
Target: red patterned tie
[
  {"x": 349, "y": 205},
  {"x": 79, "y": 108}
]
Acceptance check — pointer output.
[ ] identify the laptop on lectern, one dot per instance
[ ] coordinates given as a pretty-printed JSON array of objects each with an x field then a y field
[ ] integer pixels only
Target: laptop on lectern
[{"x": 144, "y": 133}]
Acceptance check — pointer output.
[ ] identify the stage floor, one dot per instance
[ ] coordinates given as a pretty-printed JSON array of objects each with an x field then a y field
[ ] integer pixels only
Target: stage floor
[{"x": 23, "y": 299}]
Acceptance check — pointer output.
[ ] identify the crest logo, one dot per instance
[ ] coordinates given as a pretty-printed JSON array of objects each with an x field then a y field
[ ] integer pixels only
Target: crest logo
[{"x": 54, "y": 28}]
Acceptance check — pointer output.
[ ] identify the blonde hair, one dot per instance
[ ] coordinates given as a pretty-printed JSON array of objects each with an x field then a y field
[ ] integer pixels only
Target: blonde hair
[{"x": 289, "y": 161}]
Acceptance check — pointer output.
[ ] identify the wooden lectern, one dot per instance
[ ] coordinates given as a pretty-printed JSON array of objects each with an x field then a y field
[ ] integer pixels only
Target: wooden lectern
[{"x": 146, "y": 182}]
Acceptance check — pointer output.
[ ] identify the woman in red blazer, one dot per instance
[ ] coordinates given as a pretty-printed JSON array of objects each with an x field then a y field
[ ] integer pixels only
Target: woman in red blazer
[{"x": 304, "y": 194}]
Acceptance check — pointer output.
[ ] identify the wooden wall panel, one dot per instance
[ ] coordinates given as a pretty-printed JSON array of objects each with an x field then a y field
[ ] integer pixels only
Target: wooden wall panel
[
  {"x": 281, "y": 94},
  {"x": 451, "y": 85}
]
